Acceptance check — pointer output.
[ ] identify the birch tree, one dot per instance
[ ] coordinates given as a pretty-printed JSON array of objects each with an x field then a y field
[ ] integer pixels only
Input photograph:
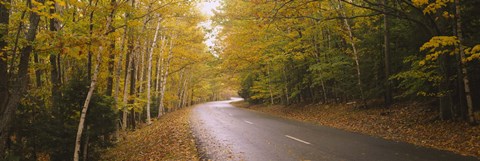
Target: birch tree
[
  {"x": 85, "y": 106},
  {"x": 164, "y": 78},
  {"x": 149, "y": 70}
]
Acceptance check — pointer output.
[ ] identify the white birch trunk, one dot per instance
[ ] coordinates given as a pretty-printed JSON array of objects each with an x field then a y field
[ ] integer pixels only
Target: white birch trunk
[
  {"x": 180, "y": 88},
  {"x": 119, "y": 68},
  {"x": 186, "y": 92},
  {"x": 125, "y": 91},
  {"x": 164, "y": 79},
  {"x": 85, "y": 107},
  {"x": 117, "y": 78},
  {"x": 355, "y": 52},
  {"x": 149, "y": 71},
  {"x": 141, "y": 70},
  {"x": 466, "y": 81},
  {"x": 157, "y": 73},
  {"x": 269, "y": 85},
  {"x": 85, "y": 147}
]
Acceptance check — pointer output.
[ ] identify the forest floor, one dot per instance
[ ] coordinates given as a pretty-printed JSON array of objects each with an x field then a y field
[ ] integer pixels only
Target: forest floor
[
  {"x": 407, "y": 122},
  {"x": 168, "y": 138}
]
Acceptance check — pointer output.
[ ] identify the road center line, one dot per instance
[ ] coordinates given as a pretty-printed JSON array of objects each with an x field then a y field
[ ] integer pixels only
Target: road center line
[
  {"x": 297, "y": 139},
  {"x": 248, "y": 122}
]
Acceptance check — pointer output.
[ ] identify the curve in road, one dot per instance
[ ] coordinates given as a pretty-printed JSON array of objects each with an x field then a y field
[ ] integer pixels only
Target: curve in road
[{"x": 225, "y": 132}]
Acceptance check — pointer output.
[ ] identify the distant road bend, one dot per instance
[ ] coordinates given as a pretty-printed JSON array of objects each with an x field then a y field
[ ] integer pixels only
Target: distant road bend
[{"x": 225, "y": 132}]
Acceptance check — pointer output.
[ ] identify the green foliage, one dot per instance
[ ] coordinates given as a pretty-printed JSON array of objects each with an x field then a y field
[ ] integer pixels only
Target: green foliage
[
  {"x": 51, "y": 132},
  {"x": 246, "y": 91},
  {"x": 420, "y": 80}
]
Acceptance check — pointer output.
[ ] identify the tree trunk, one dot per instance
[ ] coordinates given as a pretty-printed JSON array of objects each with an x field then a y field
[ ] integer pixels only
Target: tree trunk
[
  {"x": 38, "y": 72},
  {"x": 180, "y": 87},
  {"x": 460, "y": 109},
  {"x": 159, "y": 65},
  {"x": 85, "y": 145},
  {"x": 317, "y": 57},
  {"x": 191, "y": 102},
  {"x": 61, "y": 72},
  {"x": 164, "y": 79},
  {"x": 110, "y": 67},
  {"x": 117, "y": 78},
  {"x": 54, "y": 72},
  {"x": 132, "y": 93},
  {"x": 466, "y": 82},
  {"x": 183, "y": 90},
  {"x": 141, "y": 68},
  {"x": 5, "y": 112},
  {"x": 90, "y": 31},
  {"x": 17, "y": 37},
  {"x": 128, "y": 74},
  {"x": 386, "y": 36},
  {"x": 111, "y": 56},
  {"x": 89, "y": 64},
  {"x": 129, "y": 68},
  {"x": 287, "y": 99},
  {"x": 186, "y": 91},
  {"x": 85, "y": 107},
  {"x": 91, "y": 89},
  {"x": 269, "y": 85},
  {"x": 132, "y": 119},
  {"x": 445, "y": 99},
  {"x": 149, "y": 71},
  {"x": 355, "y": 54},
  {"x": 9, "y": 103}
]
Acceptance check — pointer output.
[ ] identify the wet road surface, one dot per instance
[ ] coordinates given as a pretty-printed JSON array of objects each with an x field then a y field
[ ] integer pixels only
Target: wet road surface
[{"x": 224, "y": 132}]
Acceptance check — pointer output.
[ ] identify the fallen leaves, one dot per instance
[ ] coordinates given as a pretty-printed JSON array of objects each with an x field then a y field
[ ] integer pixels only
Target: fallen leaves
[
  {"x": 169, "y": 138},
  {"x": 407, "y": 122}
]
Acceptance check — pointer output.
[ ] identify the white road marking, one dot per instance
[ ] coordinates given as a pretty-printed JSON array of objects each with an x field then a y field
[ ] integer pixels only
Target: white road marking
[
  {"x": 229, "y": 114},
  {"x": 297, "y": 139},
  {"x": 248, "y": 122}
]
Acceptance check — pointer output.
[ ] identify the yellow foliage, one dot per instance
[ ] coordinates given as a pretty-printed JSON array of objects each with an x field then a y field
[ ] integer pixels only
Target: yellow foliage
[
  {"x": 437, "y": 46},
  {"x": 431, "y": 7},
  {"x": 473, "y": 53},
  {"x": 419, "y": 3},
  {"x": 447, "y": 15},
  {"x": 60, "y": 2}
]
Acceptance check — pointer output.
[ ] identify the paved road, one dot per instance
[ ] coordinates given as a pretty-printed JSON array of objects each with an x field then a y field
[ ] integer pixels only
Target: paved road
[{"x": 225, "y": 132}]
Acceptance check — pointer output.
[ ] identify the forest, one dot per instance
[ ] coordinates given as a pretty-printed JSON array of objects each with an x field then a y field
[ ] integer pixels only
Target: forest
[
  {"x": 77, "y": 74},
  {"x": 362, "y": 52}
]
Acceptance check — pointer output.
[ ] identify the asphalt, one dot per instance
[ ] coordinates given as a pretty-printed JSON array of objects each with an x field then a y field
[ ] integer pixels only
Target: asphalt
[{"x": 224, "y": 132}]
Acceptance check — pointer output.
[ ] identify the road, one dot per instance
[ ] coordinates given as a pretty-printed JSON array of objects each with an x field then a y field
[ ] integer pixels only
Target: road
[{"x": 225, "y": 132}]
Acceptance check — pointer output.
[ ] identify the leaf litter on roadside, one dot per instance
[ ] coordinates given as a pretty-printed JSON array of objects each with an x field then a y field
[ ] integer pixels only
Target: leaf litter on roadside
[{"x": 168, "y": 138}]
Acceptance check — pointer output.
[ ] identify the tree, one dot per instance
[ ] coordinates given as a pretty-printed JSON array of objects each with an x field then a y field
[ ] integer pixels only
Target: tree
[
  {"x": 149, "y": 71},
  {"x": 466, "y": 81},
  {"x": 13, "y": 95},
  {"x": 388, "y": 88},
  {"x": 4, "y": 87},
  {"x": 81, "y": 123}
]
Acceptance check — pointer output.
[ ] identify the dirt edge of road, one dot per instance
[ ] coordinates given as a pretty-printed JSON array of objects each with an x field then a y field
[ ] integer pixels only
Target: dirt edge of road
[{"x": 408, "y": 122}]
